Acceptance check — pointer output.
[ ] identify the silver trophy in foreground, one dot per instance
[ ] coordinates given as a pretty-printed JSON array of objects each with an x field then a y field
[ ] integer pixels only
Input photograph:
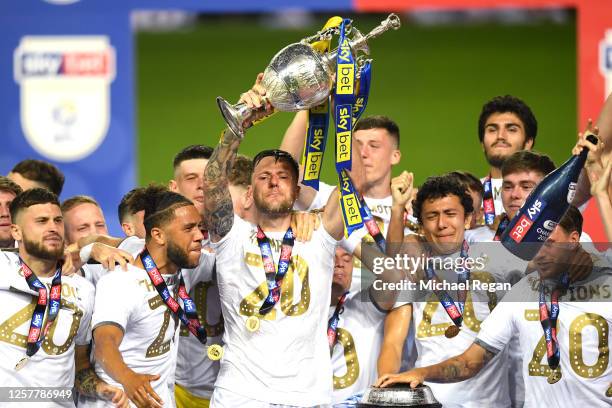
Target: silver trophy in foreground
[
  {"x": 299, "y": 77},
  {"x": 399, "y": 396}
]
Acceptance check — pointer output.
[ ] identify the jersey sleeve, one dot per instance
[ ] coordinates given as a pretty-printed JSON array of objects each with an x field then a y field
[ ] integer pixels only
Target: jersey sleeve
[
  {"x": 115, "y": 300},
  {"x": 498, "y": 328},
  {"x": 320, "y": 198},
  {"x": 201, "y": 273},
  {"x": 87, "y": 293}
]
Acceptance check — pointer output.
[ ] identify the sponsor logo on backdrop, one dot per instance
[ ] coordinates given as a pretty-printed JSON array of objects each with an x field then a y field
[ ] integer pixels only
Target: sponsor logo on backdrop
[
  {"x": 605, "y": 58},
  {"x": 64, "y": 93}
]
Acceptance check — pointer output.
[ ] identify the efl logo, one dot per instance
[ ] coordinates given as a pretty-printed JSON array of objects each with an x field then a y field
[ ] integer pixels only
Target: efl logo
[
  {"x": 33, "y": 336},
  {"x": 488, "y": 206},
  {"x": 65, "y": 93},
  {"x": 156, "y": 277}
]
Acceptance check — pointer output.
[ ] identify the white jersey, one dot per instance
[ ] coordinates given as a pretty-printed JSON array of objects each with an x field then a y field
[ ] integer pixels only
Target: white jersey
[
  {"x": 287, "y": 360},
  {"x": 132, "y": 245},
  {"x": 381, "y": 210},
  {"x": 496, "y": 186},
  {"x": 360, "y": 335},
  {"x": 490, "y": 386},
  {"x": 130, "y": 301},
  {"x": 194, "y": 370},
  {"x": 583, "y": 329},
  {"x": 53, "y": 364}
]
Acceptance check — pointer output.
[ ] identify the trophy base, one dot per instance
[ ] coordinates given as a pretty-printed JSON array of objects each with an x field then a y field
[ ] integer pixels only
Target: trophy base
[
  {"x": 399, "y": 396},
  {"x": 382, "y": 405},
  {"x": 231, "y": 115}
]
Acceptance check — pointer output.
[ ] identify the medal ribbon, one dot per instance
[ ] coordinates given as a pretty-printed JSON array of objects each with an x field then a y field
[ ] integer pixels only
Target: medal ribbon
[
  {"x": 344, "y": 99},
  {"x": 371, "y": 225},
  {"x": 274, "y": 277},
  {"x": 501, "y": 227},
  {"x": 454, "y": 311},
  {"x": 36, "y": 333},
  {"x": 549, "y": 320},
  {"x": 188, "y": 316},
  {"x": 488, "y": 203},
  {"x": 332, "y": 323}
]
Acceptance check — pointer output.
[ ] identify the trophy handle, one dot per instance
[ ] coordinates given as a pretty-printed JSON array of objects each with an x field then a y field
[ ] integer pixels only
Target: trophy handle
[{"x": 234, "y": 115}]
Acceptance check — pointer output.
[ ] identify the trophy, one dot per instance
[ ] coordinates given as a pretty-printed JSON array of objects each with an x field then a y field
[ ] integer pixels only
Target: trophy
[
  {"x": 299, "y": 77},
  {"x": 399, "y": 396}
]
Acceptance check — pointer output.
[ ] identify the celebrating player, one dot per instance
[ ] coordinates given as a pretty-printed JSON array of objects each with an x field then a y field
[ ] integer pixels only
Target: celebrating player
[{"x": 564, "y": 331}]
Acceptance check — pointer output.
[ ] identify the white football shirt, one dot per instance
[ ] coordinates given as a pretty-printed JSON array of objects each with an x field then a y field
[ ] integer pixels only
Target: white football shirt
[
  {"x": 287, "y": 360},
  {"x": 583, "y": 329},
  {"x": 53, "y": 364}
]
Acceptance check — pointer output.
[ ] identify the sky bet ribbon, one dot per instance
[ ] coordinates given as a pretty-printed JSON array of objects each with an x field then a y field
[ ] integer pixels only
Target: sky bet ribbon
[
  {"x": 274, "y": 277},
  {"x": 189, "y": 316},
  {"x": 488, "y": 204},
  {"x": 332, "y": 323},
  {"x": 344, "y": 99},
  {"x": 365, "y": 75},
  {"x": 318, "y": 124},
  {"x": 314, "y": 148},
  {"x": 349, "y": 204},
  {"x": 454, "y": 311},
  {"x": 549, "y": 322},
  {"x": 37, "y": 334}
]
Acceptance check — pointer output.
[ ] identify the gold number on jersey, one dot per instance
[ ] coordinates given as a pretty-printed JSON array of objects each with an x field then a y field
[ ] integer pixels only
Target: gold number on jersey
[
  {"x": 427, "y": 329},
  {"x": 249, "y": 306},
  {"x": 575, "y": 345},
  {"x": 23, "y": 316},
  {"x": 159, "y": 347},
  {"x": 56, "y": 349},
  {"x": 350, "y": 357},
  {"x": 200, "y": 296},
  {"x": 536, "y": 368}
]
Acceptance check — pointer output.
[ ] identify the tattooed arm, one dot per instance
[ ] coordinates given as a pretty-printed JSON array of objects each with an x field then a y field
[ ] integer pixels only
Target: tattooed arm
[
  {"x": 455, "y": 369},
  {"x": 88, "y": 383},
  {"x": 219, "y": 212}
]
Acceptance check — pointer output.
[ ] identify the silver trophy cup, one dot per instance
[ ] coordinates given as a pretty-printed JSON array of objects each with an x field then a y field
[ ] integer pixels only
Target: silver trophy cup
[
  {"x": 399, "y": 396},
  {"x": 298, "y": 77}
]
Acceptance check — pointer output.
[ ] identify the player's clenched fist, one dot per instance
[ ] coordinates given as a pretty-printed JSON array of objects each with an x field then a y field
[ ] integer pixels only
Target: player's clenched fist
[{"x": 401, "y": 188}]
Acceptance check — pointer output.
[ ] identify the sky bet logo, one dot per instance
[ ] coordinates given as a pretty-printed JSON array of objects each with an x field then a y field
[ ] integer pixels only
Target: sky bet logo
[
  {"x": 524, "y": 223},
  {"x": 42, "y": 64}
]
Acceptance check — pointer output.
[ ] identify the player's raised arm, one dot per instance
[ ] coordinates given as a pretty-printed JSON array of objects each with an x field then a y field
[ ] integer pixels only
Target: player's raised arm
[{"x": 219, "y": 211}]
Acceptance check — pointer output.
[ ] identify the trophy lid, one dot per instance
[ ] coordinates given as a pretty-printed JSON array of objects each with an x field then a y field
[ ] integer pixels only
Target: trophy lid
[{"x": 399, "y": 396}]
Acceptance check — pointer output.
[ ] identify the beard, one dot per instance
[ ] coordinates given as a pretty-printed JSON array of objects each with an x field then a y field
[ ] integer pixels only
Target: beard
[
  {"x": 38, "y": 250},
  {"x": 273, "y": 209},
  {"x": 498, "y": 160},
  {"x": 179, "y": 257}
]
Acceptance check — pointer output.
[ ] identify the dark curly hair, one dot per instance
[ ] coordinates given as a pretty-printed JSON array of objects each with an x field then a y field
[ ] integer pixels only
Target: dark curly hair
[
  {"x": 512, "y": 104},
  {"x": 159, "y": 206},
  {"x": 440, "y": 187}
]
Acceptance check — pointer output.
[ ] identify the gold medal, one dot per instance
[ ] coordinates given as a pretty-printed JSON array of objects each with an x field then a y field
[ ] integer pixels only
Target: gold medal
[
  {"x": 451, "y": 331},
  {"x": 252, "y": 324},
  {"x": 609, "y": 392},
  {"x": 215, "y": 352},
  {"x": 554, "y": 377},
  {"x": 21, "y": 363}
]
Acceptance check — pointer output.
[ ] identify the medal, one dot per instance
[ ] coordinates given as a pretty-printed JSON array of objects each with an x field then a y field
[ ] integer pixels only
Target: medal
[
  {"x": 21, "y": 363},
  {"x": 609, "y": 392},
  {"x": 215, "y": 352},
  {"x": 252, "y": 324},
  {"x": 451, "y": 331},
  {"x": 554, "y": 377}
]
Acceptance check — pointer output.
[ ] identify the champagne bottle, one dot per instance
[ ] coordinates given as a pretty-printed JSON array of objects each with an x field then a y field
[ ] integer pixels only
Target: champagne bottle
[{"x": 544, "y": 207}]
